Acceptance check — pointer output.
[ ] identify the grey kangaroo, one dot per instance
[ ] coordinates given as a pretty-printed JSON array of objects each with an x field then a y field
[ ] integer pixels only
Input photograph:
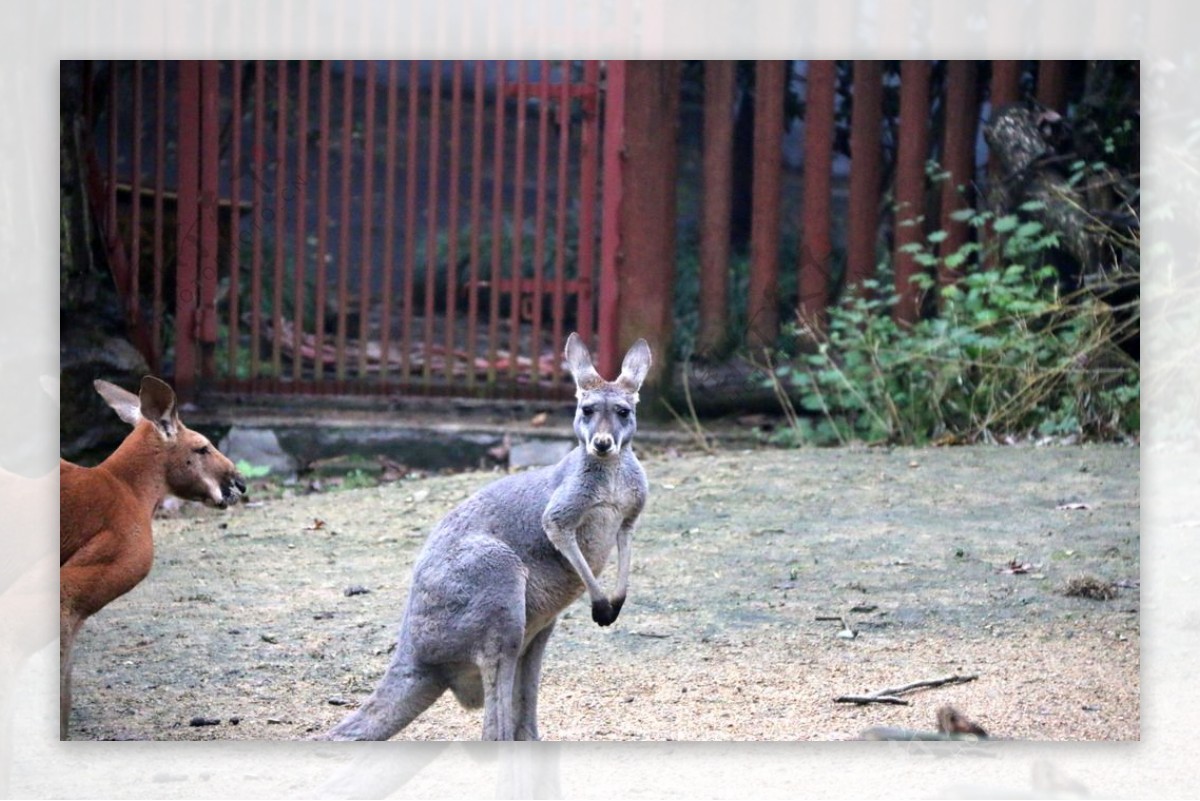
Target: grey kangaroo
[{"x": 496, "y": 572}]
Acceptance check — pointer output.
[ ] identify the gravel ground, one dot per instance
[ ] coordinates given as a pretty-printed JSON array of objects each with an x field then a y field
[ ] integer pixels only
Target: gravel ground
[{"x": 943, "y": 561}]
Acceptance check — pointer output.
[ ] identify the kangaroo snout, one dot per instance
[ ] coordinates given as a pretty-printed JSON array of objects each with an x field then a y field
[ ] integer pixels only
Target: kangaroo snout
[
  {"x": 231, "y": 490},
  {"x": 602, "y": 444}
]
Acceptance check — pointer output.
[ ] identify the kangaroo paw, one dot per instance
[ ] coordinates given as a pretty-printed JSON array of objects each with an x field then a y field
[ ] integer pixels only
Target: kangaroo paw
[{"x": 603, "y": 611}]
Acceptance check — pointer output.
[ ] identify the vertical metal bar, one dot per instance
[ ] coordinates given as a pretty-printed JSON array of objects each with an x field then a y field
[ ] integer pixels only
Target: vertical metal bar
[
  {"x": 456, "y": 87},
  {"x": 718, "y": 202},
  {"x": 866, "y": 130},
  {"x": 561, "y": 188},
  {"x": 322, "y": 225},
  {"x": 135, "y": 237},
  {"x": 389, "y": 213},
  {"x": 344, "y": 232},
  {"x": 235, "y": 220},
  {"x": 160, "y": 166},
  {"x": 648, "y": 163},
  {"x": 497, "y": 222},
  {"x": 477, "y": 167},
  {"x": 189, "y": 193},
  {"x": 911, "y": 153},
  {"x": 1006, "y": 83},
  {"x": 1005, "y": 89},
  {"x": 364, "y": 288},
  {"x": 763, "y": 313},
  {"x": 410, "y": 217},
  {"x": 962, "y": 114},
  {"x": 518, "y": 225},
  {"x": 1052, "y": 84},
  {"x": 260, "y": 158},
  {"x": 210, "y": 144},
  {"x": 280, "y": 243},
  {"x": 589, "y": 189},
  {"x": 112, "y": 223},
  {"x": 539, "y": 240},
  {"x": 816, "y": 252},
  {"x": 299, "y": 255},
  {"x": 431, "y": 218}
]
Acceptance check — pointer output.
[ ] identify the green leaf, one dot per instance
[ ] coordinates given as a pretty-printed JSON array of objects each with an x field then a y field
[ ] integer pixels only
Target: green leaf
[
  {"x": 1006, "y": 223},
  {"x": 937, "y": 236},
  {"x": 1029, "y": 229}
]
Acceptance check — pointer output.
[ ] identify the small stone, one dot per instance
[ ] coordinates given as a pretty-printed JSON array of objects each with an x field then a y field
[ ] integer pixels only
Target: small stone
[
  {"x": 202, "y": 721},
  {"x": 356, "y": 589}
]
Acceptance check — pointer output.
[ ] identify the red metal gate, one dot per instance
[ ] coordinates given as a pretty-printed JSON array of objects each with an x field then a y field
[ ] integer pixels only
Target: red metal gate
[{"x": 352, "y": 227}]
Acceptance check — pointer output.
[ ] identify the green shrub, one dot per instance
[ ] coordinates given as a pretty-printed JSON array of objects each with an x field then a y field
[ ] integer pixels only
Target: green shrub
[{"x": 1006, "y": 355}]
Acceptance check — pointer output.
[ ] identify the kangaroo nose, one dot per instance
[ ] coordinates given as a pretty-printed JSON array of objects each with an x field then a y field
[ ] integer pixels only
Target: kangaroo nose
[
  {"x": 240, "y": 483},
  {"x": 602, "y": 444}
]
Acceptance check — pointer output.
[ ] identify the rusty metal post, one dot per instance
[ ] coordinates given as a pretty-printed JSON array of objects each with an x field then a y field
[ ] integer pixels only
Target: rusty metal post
[
  {"x": 610, "y": 216},
  {"x": 1005, "y": 89},
  {"x": 1006, "y": 83},
  {"x": 1052, "y": 84},
  {"x": 186, "y": 233},
  {"x": 912, "y": 151},
  {"x": 210, "y": 143},
  {"x": 962, "y": 115},
  {"x": 816, "y": 251},
  {"x": 866, "y": 130},
  {"x": 762, "y": 312},
  {"x": 718, "y": 198},
  {"x": 643, "y": 257}
]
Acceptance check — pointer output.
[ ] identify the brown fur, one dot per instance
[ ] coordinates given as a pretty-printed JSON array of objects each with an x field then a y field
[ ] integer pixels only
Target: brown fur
[{"x": 105, "y": 543}]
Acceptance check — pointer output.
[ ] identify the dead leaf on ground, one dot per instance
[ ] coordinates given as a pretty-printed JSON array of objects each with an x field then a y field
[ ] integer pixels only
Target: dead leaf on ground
[
  {"x": 1073, "y": 506},
  {"x": 317, "y": 525},
  {"x": 1017, "y": 567}
]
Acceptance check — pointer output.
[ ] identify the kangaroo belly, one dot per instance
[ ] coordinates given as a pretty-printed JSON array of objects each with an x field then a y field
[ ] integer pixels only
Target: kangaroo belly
[{"x": 597, "y": 535}]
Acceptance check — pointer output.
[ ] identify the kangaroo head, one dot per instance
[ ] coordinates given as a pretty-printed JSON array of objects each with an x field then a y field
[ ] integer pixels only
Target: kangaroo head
[
  {"x": 192, "y": 466},
  {"x": 605, "y": 418}
]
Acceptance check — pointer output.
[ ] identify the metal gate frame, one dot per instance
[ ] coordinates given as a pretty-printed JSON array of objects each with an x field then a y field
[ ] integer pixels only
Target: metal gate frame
[{"x": 223, "y": 191}]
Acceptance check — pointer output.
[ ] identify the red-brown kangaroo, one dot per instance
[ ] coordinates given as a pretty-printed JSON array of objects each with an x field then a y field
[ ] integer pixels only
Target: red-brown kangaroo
[{"x": 105, "y": 545}]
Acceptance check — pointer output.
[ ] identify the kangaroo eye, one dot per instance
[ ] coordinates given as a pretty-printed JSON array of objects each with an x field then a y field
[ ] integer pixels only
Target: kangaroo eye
[
  {"x": 588, "y": 411},
  {"x": 203, "y": 450},
  {"x": 623, "y": 412}
]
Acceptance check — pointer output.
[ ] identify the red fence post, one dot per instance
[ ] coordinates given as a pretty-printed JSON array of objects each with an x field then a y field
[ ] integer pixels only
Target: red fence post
[
  {"x": 210, "y": 142},
  {"x": 866, "y": 130},
  {"x": 644, "y": 255},
  {"x": 1005, "y": 89},
  {"x": 962, "y": 116},
  {"x": 762, "y": 314},
  {"x": 718, "y": 199},
  {"x": 186, "y": 236},
  {"x": 1052, "y": 84},
  {"x": 816, "y": 252},
  {"x": 1006, "y": 83},
  {"x": 911, "y": 152}
]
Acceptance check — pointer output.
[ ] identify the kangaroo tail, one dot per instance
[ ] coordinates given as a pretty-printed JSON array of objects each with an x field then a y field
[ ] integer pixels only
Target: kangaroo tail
[{"x": 402, "y": 694}]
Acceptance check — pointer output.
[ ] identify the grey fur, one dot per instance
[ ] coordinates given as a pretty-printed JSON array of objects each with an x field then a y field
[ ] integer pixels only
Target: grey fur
[{"x": 496, "y": 572}]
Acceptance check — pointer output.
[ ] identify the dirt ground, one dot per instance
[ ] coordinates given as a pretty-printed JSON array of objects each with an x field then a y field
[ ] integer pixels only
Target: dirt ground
[{"x": 943, "y": 561}]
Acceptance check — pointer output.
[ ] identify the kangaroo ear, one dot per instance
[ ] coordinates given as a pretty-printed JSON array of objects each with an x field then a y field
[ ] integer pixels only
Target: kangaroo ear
[
  {"x": 157, "y": 401},
  {"x": 579, "y": 362},
  {"x": 635, "y": 366},
  {"x": 125, "y": 404}
]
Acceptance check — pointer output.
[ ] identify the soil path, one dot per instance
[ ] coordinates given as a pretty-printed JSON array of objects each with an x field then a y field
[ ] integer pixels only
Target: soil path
[{"x": 249, "y": 617}]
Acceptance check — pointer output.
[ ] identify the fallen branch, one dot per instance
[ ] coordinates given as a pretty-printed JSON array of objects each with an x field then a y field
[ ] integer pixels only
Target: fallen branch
[
  {"x": 862, "y": 700},
  {"x": 889, "y": 696}
]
